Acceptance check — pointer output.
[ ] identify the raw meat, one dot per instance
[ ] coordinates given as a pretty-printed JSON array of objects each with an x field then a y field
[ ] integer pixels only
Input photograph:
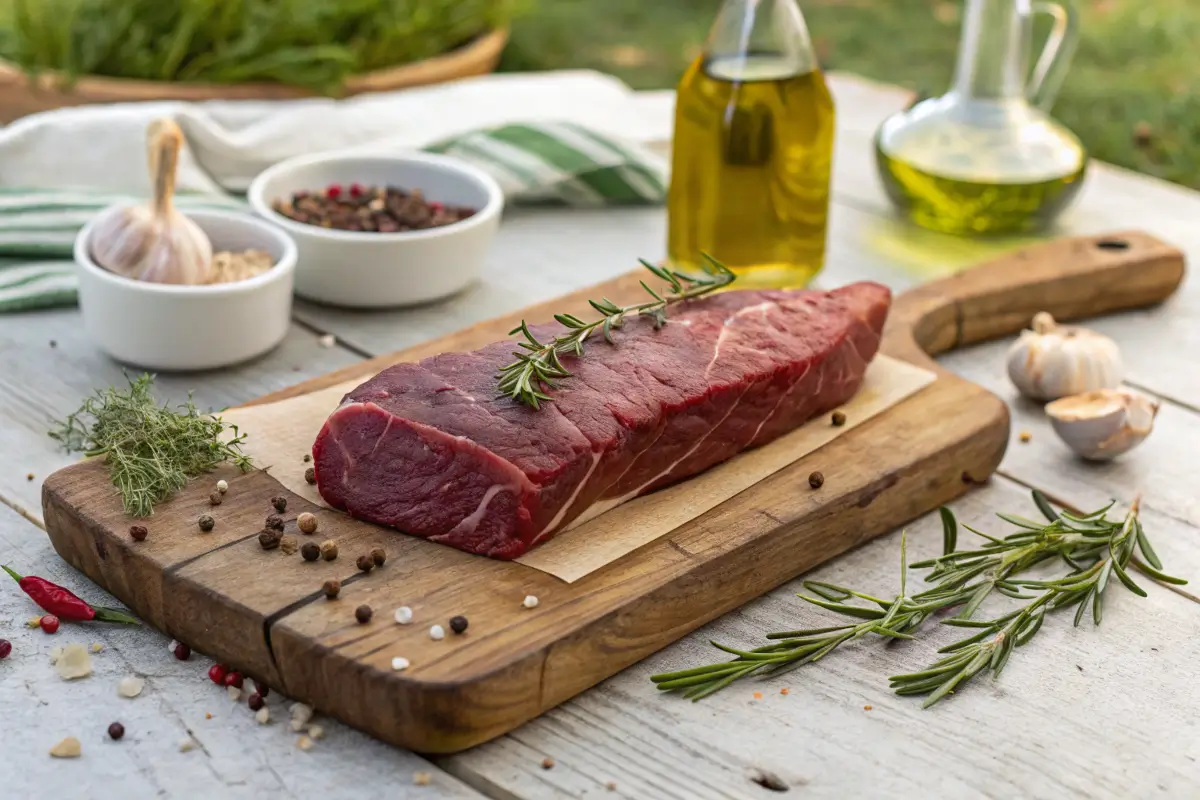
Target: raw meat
[{"x": 433, "y": 450}]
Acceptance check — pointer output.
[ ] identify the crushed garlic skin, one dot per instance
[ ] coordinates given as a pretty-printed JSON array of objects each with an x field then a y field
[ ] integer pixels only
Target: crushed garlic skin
[{"x": 231, "y": 267}]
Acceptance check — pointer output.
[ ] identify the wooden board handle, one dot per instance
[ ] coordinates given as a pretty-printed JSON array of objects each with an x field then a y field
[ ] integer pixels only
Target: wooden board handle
[{"x": 1082, "y": 276}]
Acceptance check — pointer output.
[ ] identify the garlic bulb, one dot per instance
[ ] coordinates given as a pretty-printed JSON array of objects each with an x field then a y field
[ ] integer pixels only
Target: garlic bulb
[
  {"x": 1053, "y": 360},
  {"x": 154, "y": 243},
  {"x": 1103, "y": 424}
]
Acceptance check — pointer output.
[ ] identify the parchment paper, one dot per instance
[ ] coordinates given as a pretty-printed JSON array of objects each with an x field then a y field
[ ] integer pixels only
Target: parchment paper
[{"x": 279, "y": 434}]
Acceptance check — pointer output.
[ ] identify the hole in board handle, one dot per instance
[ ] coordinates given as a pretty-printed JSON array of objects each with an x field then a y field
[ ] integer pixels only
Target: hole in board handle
[{"x": 1112, "y": 244}]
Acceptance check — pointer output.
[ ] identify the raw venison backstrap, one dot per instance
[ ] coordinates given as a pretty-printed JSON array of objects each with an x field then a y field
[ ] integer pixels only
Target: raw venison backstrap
[{"x": 433, "y": 450}]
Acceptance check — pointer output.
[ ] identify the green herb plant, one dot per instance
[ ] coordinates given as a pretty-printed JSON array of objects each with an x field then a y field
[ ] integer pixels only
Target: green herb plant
[
  {"x": 150, "y": 450},
  {"x": 1093, "y": 547},
  {"x": 315, "y": 44},
  {"x": 539, "y": 364}
]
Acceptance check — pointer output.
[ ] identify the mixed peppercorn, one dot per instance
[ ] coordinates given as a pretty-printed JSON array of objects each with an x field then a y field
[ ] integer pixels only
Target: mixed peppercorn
[{"x": 370, "y": 209}]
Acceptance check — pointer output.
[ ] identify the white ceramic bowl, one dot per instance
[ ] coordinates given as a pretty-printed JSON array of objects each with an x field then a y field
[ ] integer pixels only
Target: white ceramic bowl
[
  {"x": 167, "y": 327},
  {"x": 360, "y": 269}
]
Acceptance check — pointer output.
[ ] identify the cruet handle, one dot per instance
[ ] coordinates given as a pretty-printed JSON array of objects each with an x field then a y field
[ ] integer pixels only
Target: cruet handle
[{"x": 1052, "y": 64}]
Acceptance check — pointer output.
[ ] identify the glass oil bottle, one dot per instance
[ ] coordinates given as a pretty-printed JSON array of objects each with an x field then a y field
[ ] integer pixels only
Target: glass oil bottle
[
  {"x": 987, "y": 158},
  {"x": 753, "y": 149}
]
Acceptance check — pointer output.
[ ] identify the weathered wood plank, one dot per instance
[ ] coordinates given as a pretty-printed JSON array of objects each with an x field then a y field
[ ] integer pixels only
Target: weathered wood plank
[
  {"x": 234, "y": 757},
  {"x": 40, "y": 382},
  {"x": 1020, "y": 736}
]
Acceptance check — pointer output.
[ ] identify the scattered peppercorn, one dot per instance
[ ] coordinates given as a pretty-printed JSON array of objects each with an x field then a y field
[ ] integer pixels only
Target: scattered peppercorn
[
  {"x": 5, "y": 648},
  {"x": 547, "y": 763},
  {"x": 138, "y": 533},
  {"x": 458, "y": 624},
  {"x": 215, "y": 499},
  {"x": 867, "y": 708},
  {"x": 310, "y": 551},
  {"x": 363, "y": 614},
  {"x": 611, "y": 786},
  {"x": 29, "y": 476},
  {"x": 255, "y": 702},
  {"x": 280, "y": 503},
  {"x": 116, "y": 731},
  {"x": 331, "y": 588},
  {"x": 816, "y": 480},
  {"x": 288, "y": 545},
  {"x": 269, "y": 539},
  {"x": 217, "y": 673},
  {"x": 261, "y": 689},
  {"x": 206, "y": 523},
  {"x": 274, "y": 522},
  {"x": 307, "y": 457},
  {"x": 1025, "y": 436},
  {"x": 310, "y": 475},
  {"x": 329, "y": 550},
  {"x": 378, "y": 556},
  {"x": 49, "y": 623},
  {"x": 839, "y": 419},
  {"x": 758, "y": 695},
  {"x": 183, "y": 652},
  {"x": 234, "y": 679},
  {"x": 222, "y": 486},
  {"x": 307, "y": 522},
  {"x": 365, "y": 563},
  {"x": 784, "y": 690},
  {"x": 53, "y": 344}
]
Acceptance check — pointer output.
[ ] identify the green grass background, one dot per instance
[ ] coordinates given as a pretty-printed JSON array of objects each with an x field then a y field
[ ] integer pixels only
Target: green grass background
[{"x": 1132, "y": 95}]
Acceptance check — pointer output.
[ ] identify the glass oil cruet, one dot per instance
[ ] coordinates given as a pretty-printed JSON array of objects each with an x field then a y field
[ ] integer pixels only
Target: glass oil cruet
[
  {"x": 753, "y": 149},
  {"x": 987, "y": 158}
]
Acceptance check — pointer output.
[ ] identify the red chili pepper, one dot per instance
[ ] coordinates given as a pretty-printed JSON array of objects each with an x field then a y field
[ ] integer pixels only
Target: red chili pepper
[{"x": 64, "y": 603}]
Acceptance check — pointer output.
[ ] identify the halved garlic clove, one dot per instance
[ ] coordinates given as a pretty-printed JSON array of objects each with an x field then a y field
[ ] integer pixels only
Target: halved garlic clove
[
  {"x": 1052, "y": 360},
  {"x": 1103, "y": 424}
]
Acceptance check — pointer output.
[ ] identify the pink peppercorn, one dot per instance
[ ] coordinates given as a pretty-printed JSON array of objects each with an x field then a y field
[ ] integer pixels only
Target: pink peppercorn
[
  {"x": 183, "y": 652},
  {"x": 217, "y": 673},
  {"x": 334, "y": 191},
  {"x": 5, "y": 648},
  {"x": 49, "y": 623},
  {"x": 356, "y": 190},
  {"x": 234, "y": 679}
]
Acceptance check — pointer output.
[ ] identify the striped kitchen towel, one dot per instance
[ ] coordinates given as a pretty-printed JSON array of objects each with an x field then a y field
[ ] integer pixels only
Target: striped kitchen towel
[{"x": 556, "y": 163}]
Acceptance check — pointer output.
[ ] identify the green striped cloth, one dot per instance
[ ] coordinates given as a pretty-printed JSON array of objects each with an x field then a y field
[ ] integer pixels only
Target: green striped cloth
[{"x": 547, "y": 163}]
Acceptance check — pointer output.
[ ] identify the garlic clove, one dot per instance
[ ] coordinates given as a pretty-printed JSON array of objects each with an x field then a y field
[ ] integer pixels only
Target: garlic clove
[
  {"x": 1103, "y": 424},
  {"x": 1050, "y": 361}
]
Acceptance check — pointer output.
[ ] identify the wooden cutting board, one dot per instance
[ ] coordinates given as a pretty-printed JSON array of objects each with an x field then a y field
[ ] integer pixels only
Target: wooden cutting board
[{"x": 265, "y": 614}]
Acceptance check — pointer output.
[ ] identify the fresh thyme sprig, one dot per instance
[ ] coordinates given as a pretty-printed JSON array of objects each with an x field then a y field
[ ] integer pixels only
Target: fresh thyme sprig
[
  {"x": 539, "y": 364},
  {"x": 961, "y": 578},
  {"x": 151, "y": 450},
  {"x": 1096, "y": 548}
]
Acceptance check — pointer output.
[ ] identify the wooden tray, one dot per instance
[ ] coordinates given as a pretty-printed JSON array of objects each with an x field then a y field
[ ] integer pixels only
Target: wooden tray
[{"x": 264, "y": 612}]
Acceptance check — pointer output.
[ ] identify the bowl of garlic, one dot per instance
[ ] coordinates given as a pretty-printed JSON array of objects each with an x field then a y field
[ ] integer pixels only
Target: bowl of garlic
[{"x": 164, "y": 291}]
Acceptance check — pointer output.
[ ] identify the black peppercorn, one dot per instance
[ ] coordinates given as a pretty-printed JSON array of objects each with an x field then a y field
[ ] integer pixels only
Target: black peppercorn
[
  {"x": 307, "y": 458},
  {"x": 816, "y": 480},
  {"x": 116, "y": 731},
  {"x": 274, "y": 522},
  {"x": 310, "y": 551},
  {"x": 310, "y": 475},
  {"x": 269, "y": 539},
  {"x": 215, "y": 499},
  {"x": 378, "y": 556},
  {"x": 365, "y": 563},
  {"x": 261, "y": 689},
  {"x": 331, "y": 588},
  {"x": 363, "y": 614},
  {"x": 138, "y": 532},
  {"x": 206, "y": 523},
  {"x": 255, "y": 701},
  {"x": 839, "y": 419},
  {"x": 458, "y": 624},
  {"x": 280, "y": 504}
]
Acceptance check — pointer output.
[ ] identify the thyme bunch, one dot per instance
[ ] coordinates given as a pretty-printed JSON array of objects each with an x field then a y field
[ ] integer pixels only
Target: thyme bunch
[
  {"x": 1093, "y": 547},
  {"x": 150, "y": 450},
  {"x": 539, "y": 364}
]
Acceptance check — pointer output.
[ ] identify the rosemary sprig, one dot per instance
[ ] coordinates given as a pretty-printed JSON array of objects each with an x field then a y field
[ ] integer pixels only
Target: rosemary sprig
[
  {"x": 961, "y": 578},
  {"x": 151, "y": 450},
  {"x": 539, "y": 364}
]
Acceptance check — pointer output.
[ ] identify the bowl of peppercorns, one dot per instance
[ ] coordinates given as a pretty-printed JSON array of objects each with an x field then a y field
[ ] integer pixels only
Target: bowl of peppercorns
[{"x": 381, "y": 231}]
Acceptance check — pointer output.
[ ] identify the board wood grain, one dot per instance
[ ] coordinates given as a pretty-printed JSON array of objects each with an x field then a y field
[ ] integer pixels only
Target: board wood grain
[{"x": 264, "y": 611}]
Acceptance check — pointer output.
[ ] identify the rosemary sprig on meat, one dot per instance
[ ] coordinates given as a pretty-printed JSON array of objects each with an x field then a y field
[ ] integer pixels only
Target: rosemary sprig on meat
[
  {"x": 150, "y": 450},
  {"x": 1092, "y": 546},
  {"x": 539, "y": 364}
]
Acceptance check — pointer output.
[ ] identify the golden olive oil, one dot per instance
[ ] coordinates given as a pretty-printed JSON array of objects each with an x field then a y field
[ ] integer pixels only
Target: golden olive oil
[{"x": 753, "y": 152}]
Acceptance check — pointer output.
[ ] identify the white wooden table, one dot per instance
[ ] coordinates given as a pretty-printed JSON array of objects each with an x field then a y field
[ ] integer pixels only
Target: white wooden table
[{"x": 1108, "y": 712}]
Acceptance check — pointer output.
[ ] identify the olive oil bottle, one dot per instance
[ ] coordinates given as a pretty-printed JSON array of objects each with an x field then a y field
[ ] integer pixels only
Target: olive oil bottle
[
  {"x": 987, "y": 157},
  {"x": 753, "y": 149}
]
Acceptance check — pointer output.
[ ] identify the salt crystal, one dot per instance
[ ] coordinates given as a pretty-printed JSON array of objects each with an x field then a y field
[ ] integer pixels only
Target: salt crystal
[
  {"x": 130, "y": 686},
  {"x": 437, "y": 633},
  {"x": 404, "y": 615},
  {"x": 235, "y": 694},
  {"x": 74, "y": 662},
  {"x": 530, "y": 601},
  {"x": 304, "y": 743},
  {"x": 187, "y": 745},
  {"x": 171, "y": 647},
  {"x": 328, "y": 340},
  {"x": 301, "y": 714},
  {"x": 262, "y": 716},
  {"x": 315, "y": 732},
  {"x": 399, "y": 663},
  {"x": 67, "y": 748}
]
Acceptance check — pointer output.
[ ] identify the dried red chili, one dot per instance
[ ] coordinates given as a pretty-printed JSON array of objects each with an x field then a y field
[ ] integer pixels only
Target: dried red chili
[{"x": 64, "y": 603}]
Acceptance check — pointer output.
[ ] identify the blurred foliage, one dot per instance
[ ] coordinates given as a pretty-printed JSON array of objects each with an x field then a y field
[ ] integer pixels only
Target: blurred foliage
[
  {"x": 310, "y": 43},
  {"x": 1132, "y": 95}
]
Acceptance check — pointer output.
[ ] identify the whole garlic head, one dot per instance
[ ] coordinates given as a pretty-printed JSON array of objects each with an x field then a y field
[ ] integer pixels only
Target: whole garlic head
[
  {"x": 1053, "y": 360},
  {"x": 154, "y": 243},
  {"x": 1103, "y": 424}
]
